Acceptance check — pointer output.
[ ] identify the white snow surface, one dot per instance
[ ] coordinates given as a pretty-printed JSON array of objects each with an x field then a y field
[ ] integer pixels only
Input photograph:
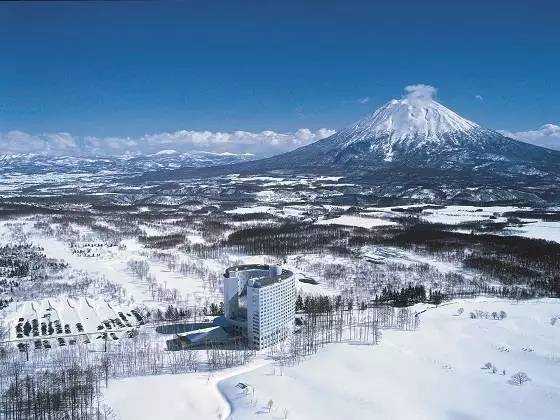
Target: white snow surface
[
  {"x": 365, "y": 222},
  {"x": 455, "y": 215},
  {"x": 173, "y": 397},
  {"x": 249, "y": 210},
  {"x": 549, "y": 231},
  {"x": 432, "y": 373},
  {"x": 408, "y": 118}
]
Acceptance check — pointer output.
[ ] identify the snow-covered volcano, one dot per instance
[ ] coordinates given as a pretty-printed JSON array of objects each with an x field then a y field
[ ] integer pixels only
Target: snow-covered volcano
[
  {"x": 408, "y": 122},
  {"x": 418, "y": 132},
  {"x": 407, "y": 118}
]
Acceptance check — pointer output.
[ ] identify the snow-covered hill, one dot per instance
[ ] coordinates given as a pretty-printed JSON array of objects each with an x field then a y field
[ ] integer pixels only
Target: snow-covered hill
[
  {"x": 437, "y": 372},
  {"x": 548, "y": 135}
]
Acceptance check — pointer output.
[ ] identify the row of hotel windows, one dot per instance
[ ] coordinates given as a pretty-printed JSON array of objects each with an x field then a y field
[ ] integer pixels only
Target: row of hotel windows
[
  {"x": 275, "y": 298},
  {"x": 271, "y": 337}
]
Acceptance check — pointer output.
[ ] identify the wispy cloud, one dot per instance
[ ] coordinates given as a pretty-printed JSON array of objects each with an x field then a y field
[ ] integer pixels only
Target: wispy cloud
[
  {"x": 264, "y": 143},
  {"x": 547, "y": 135},
  {"x": 479, "y": 97}
]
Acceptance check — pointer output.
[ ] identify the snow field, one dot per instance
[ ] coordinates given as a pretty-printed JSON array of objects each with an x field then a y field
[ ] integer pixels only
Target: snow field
[
  {"x": 432, "y": 373},
  {"x": 173, "y": 397},
  {"x": 365, "y": 222}
]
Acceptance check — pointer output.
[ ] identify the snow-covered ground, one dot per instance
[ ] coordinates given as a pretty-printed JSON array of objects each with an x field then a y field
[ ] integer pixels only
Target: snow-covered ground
[
  {"x": 432, "y": 373},
  {"x": 249, "y": 210},
  {"x": 89, "y": 314},
  {"x": 112, "y": 266},
  {"x": 173, "y": 397},
  {"x": 170, "y": 397},
  {"x": 389, "y": 254},
  {"x": 454, "y": 215},
  {"x": 365, "y": 222},
  {"x": 449, "y": 215},
  {"x": 111, "y": 263},
  {"x": 537, "y": 229}
]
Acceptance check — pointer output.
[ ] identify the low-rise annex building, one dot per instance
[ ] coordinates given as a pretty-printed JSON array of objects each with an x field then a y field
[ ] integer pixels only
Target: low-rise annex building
[{"x": 259, "y": 303}]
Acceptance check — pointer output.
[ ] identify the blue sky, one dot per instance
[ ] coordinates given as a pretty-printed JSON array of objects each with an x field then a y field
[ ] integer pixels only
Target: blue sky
[{"x": 127, "y": 69}]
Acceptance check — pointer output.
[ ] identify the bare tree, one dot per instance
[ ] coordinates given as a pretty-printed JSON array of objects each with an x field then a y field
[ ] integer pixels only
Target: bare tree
[{"x": 519, "y": 378}]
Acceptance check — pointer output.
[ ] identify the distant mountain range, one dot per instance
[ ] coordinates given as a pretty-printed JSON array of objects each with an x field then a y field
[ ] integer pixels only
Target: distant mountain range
[{"x": 132, "y": 164}]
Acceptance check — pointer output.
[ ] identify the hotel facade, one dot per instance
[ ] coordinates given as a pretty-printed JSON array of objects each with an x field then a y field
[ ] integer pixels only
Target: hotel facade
[{"x": 259, "y": 303}]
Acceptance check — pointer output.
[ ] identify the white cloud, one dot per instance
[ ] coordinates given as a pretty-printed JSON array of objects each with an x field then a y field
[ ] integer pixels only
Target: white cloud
[
  {"x": 479, "y": 97},
  {"x": 323, "y": 133},
  {"x": 364, "y": 100},
  {"x": 264, "y": 143},
  {"x": 420, "y": 92},
  {"x": 547, "y": 135}
]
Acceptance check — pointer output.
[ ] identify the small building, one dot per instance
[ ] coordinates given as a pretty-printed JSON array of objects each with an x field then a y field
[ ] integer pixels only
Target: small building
[
  {"x": 259, "y": 303},
  {"x": 205, "y": 337}
]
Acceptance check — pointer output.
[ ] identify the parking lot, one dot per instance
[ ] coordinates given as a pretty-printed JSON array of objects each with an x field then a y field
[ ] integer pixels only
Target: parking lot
[{"x": 60, "y": 322}]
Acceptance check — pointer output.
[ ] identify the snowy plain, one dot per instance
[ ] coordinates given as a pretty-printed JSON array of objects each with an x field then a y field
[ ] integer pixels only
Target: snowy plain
[{"x": 537, "y": 229}]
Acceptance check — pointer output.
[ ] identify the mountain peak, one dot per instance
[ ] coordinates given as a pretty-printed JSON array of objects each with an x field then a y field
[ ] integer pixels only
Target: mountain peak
[{"x": 409, "y": 118}]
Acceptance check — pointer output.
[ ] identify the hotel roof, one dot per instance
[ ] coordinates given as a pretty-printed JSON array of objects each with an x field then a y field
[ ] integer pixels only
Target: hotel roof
[{"x": 261, "y": 281}]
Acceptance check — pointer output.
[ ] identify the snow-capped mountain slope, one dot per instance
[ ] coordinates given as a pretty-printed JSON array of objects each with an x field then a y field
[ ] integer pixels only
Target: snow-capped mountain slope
[
  {"x": 418, "y": 133},
  {"x": 406, "y": 121}
]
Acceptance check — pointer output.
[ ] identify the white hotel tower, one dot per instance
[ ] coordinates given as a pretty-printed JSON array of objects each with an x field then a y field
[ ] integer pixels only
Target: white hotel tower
[{"x": 260, "y": 303}]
